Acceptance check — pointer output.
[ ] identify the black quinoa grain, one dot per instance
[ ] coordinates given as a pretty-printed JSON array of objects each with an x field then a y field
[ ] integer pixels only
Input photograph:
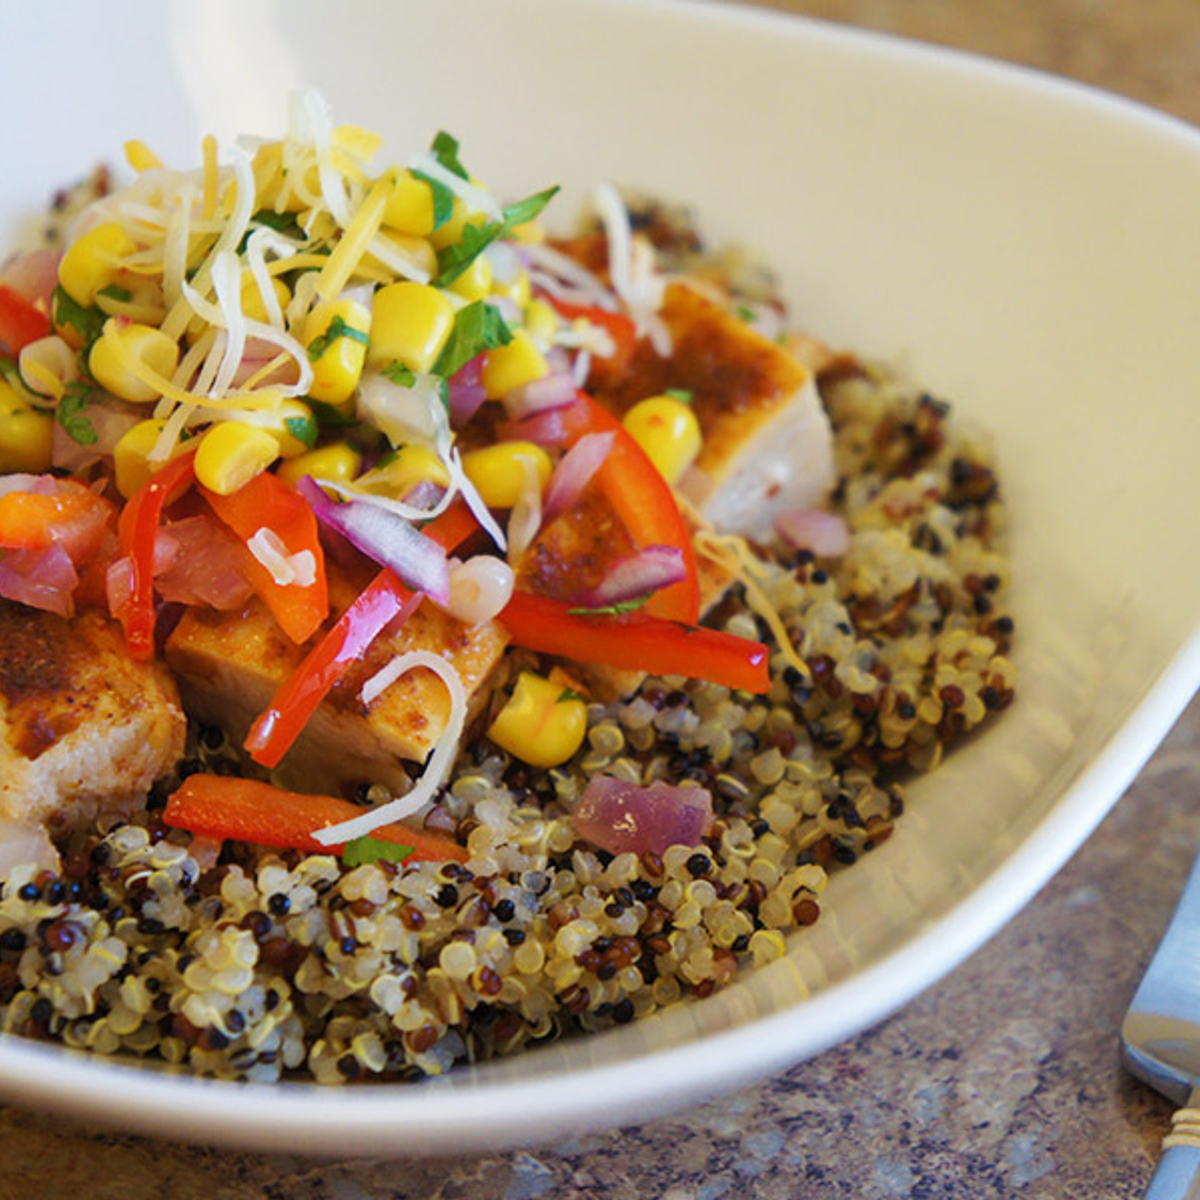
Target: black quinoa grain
[
  {"x": 42, "y": 1010},
  {"x": 150, "y": 925},
  {"x": 12, "y": 940},
  {"x": 844, "y": 852},
  {"x": 643, "y": 889},
  {"x": 982, "y": 605},
  {"x": 446, "y": 896},
  {"x": 622, "y": 1011},
  {"x": 514, "y": 937},
  {"x": 279, "y": 905},
  {"x": 699, "y": 865},
  {"x": 504, "y": 910}
]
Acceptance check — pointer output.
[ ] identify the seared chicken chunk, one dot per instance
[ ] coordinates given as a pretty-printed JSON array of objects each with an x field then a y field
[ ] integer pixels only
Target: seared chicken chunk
[
  {"x": 230, "y": 664},
  {"x": 84, "y": 730},
  {"x": 767, "y": 445}
]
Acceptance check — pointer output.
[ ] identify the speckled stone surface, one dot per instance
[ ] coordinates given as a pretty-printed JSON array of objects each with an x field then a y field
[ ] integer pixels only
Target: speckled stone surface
[{"x": 1002, "y": 1081}]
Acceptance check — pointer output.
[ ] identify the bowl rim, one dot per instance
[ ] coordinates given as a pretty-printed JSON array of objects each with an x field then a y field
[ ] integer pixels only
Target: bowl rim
[{"x": 426, "y": 1119}]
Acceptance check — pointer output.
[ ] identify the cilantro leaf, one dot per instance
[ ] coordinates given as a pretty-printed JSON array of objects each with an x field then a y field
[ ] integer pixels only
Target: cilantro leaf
[
  {"x": 453, "y": 260},
  {"x": 443, "y": 199},
  {"x": 327, "y": 414},
  {"x": 303, "y": 429},
  {"x": 337, "y": 329},
  {"x": 445, "y": 150},
  {"x": 477, "y": 327},
  {"x": 116, "y": 292},
  {"x": 683, "y": 395},
  {"x": 70, "y": 414},
  {"x": 745, "y": 312},
  {"x": 284, "y": 222},
  {"x": 87, "y": 322},
  {"x": 369, "y": 850},
  {"x": 399, "y": 374},
  {"x": 611, "y": 610},
  {"x": 569, "y": 694}
]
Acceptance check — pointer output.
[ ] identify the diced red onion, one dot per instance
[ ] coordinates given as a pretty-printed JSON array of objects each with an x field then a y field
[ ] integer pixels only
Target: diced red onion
[
  {"x": 42, "y": 579},
  {"x": 624, "y": 817},
  {"x": 438, "y": 818},
  {"x": 33, "y": 276},
  {"x": 550, "y": 428},
  {"x": 636, "y": 575},
  {"x": 24, "y": 844},
  {"x": 257, "y": 353},
  {"x": 110, "y": 424},
  {"x": 574, "y": 472},
  {"x": 823, "y": 533},
  {"x": 466, "y": 391},
  {"x": 385, "y": 537},
  {"x": 555, "y": 390},
  {"x": 207, "y": 565},
  {"x": 424, "y": 494}
]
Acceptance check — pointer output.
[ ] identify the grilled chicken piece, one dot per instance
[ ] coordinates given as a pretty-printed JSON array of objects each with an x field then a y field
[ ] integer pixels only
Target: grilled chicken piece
[
  {"x": 767, "y": 445},
  {"x": 230, "y": 664},
  {"x": 84, "y": 730}
]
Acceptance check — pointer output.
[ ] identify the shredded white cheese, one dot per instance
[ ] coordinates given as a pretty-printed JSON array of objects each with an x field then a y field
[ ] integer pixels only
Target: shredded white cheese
[
  {"x": 476, "y": 199},
  {"x": 299, "y": 569},
  {"x": 439, "y": 762}
]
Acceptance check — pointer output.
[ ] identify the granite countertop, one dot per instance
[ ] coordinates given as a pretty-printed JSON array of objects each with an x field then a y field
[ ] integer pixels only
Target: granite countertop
[{"x": 1002, "y": 1081}]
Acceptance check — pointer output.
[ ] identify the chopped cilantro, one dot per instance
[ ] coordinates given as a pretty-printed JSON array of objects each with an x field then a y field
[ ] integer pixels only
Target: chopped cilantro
[
  {"x": 569, "y": 694},
  {"x": 399, "y": 374},
  {"x": 303, "y": 429},
  {"x": 327, "y": 414},
  {"x": 443, "y": 199},
  {"x": 611, "y": 610},
  {"x": 116, "y": 292},
  {"x": 70, "y": 414},
  {"x": 284, "y": 222},
  {"x": 683, "y": 395},
  {"x": 477, "y": 327},
  {"x": 445, "y": 150},
  {"x": 746, "y": 313},
  {"x": 453, "y": 260},
  {"x": 87, "y": 322},
  {"x": 337, "y": 329},
  {"x": 369, "y": 850}
]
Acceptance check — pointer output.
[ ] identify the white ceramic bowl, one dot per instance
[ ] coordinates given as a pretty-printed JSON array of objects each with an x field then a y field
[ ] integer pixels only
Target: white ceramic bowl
[{"x": 1025, "y": 247}]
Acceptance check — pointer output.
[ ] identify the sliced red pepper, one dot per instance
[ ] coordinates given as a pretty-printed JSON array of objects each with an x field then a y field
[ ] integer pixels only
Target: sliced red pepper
[
  {"x": 20, "y": 322},
  {"x": 137, "y": 529},
  {"x": 34, "y": 521},
  {"x": 383, "y": 600},
  {"x": 245, "y": 810},
  {"x": 637, "y": 641},
  {"x": 622, "y": 330},
  {"x": 268, "y": 502}
]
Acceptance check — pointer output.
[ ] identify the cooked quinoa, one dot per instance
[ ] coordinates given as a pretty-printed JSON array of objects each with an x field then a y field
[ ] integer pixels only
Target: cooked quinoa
[{"x": 271, "y": 964}]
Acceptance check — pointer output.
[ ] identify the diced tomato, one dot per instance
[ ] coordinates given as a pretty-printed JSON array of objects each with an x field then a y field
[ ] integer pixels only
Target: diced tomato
[{"x": 20, "y": 322}]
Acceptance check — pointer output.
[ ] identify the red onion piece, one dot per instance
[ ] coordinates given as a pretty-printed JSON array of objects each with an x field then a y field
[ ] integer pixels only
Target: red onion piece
[
  {"x": 554, "y": 427},
  {"x": 33, "y": 276},
  {"x": 624, "y": 817},
  {"x": 205, "y": 565},
  {"x": 385, "y": 537},
  {"x": 42, "y": 579},
  {"x": 637, "y": 575},
  {"x": 110, "y": 425},
  {"x": 255, "y": 356},
  {"x": 466, "y": 391},
  {"x": 574, "y": 472},
  {"x": 823, "y": 533},
  {"x": 555, "y": 390}
]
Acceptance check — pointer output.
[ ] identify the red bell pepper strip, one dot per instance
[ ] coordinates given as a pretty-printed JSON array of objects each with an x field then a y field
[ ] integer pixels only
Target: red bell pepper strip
[
  {"x": 268, "y": 502},
  {"x": 34, "y": 520},
  {"x": 137, "y": 529},
  {"x": 637, "y": 641},
  {"x": 245, "y": 810},
  {"x": 383, "y": 600},
  {"x": 620, "y": 328},
  {"x": 20, "y": 322}
]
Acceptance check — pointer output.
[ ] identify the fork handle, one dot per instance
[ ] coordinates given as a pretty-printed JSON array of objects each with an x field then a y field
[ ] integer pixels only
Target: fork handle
[{"x": 1177, "y": 1176}]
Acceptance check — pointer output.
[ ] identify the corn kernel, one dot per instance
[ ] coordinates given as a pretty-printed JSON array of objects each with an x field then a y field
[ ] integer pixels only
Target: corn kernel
[
  {"x": 339, "y": 461},
  {"x": 231, "y": 454},
  {"x": 541, "y": 322},
  {"x": 145, "y": 343},
  {"x": 451, "y": 232},
  {"x": 667, "y": 429},
  {"x": 251, "y": 297},
  {"x": 541, "y": 725},
  {"x": 516, "y": 289},
  {"x": 292, "y": 425},
  {"x": 410, "y": 205},
  {"x": 476, "y": 281},
  {"x": 411, "y": 325},
  {"x": 400, "y": 473},
  {"x": 131, "y": 456},
  {"x": 498, "y": 471},
  {"x": 26, "y": 435},
  {"x": 92, "y": 261},
  {"x": 509, "y": 367},
  {"x": 417, "y": 250},
  {"x": 337, "y": 370}
]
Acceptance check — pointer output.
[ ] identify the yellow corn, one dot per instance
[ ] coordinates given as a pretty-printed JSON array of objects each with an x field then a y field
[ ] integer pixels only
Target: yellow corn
[
  {"x": 509, "y": 367},
  {"x": 541, "y": 322},
  {"x": 476, "y": 281},
  {"x": 409, "y": 466},
  {"x": 148, "y": 345},
  {"x": 542, "y": 724},
  {"x": 416, "y": 249},
  {"x": 411, "y": 324},
  {"x": 410, "y": 205},
  {"x": 516, "y": 289},
  {"x": 498, "y": 471},
  {"x": 339, "y": 367},
  {"x": 231, "y": 454},
  {"x": 338, "y": 461},
  {"x": 293, "y": 427},
  {"x": 140, "y": 157},
  {"x": 93, "y": 261},
  {"x": 451, "y": 232},
  {"x": 252, "y": 301},
  {"x": 131, "y": 456},
  {"x": 26, "y": 435},
  {"x": 667, "y": 429}
]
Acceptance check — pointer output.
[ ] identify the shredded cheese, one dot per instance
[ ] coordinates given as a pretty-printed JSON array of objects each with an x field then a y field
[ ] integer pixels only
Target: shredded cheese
[
  {"x": 475, "y": 198},
  {"x": 208, "y": 148},
  {"x": 439, "y": 762},
  {"x": 354, "y": 242},
  {"x": 287, "y": 570}
]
